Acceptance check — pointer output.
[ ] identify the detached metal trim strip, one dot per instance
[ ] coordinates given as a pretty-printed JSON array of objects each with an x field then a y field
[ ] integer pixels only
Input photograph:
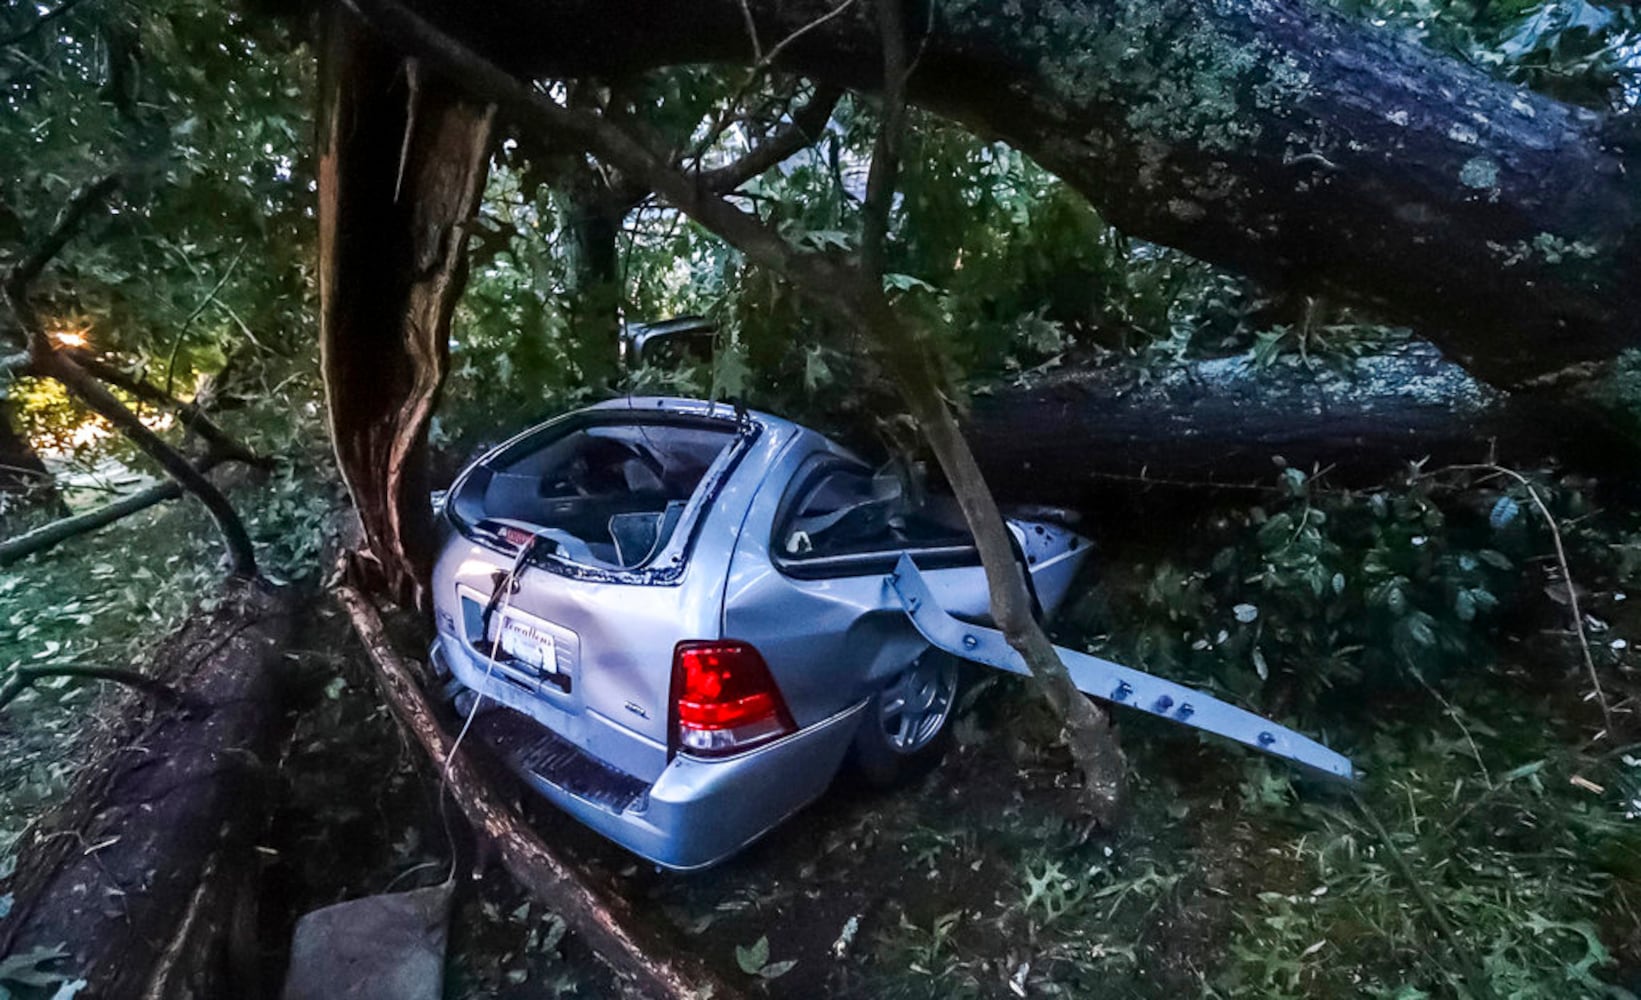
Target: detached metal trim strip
[{"x": 1111, "y": 681}]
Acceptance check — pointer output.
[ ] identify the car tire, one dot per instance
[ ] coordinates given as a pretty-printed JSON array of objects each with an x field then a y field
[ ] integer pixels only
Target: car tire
[{"x": 907, "y": 723}]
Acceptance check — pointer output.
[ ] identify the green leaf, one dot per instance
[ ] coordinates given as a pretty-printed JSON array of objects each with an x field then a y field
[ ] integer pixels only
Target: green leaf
[
  {"x": 1464, "y": 606},
  {"x": 753, "y": 959},
  {"x": 822, "y": 239},
  {"x": 730, "y": 373},
  {"x": 554, "y": 933},
  {"x": 777, "y": 969},
  {"x": 1396, "y": 601},
  {"x": 906, "y": 283},
  {"x": 1522, "y": 772}
]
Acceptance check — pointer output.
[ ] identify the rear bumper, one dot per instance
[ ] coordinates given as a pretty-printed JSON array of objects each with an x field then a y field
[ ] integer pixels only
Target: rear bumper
[{"x": 699, "y": 811}]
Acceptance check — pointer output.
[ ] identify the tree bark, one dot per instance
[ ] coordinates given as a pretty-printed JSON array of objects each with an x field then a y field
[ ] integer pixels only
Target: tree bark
[
  {"x": 1280, "y": 140},
  {"x": 590, "y": 222},
  {"x": 1087, "y": 727},
  {"x": 145, "y": 873},
  {"x": 1081, "y": 436},
  {"x": 403, "y": 159}
]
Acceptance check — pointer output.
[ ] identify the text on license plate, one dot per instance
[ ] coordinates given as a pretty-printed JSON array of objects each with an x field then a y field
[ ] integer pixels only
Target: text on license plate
[{"x": 529, "y": 645}]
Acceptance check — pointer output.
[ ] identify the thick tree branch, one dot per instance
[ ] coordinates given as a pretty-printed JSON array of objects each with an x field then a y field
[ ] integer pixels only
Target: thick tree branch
[
  {"x": 21, "y": 678},
  {"x": 1088, "y": 732},
  {"x": 1219, "y": 424},
  {"x": 241, "y": 553},
  {"x": 807, "y": 124},
  {"x": 1281, "y": 140},
  {"x": 51, "y": 534},
  {"x": 193, "y": 416},
  {"x": 140, "y": 871},
  {"x": 401, "y": 169}
]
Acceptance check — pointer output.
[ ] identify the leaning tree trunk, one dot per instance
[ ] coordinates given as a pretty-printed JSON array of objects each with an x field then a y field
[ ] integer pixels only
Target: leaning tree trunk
[
  {"x": 146, "y": 875},
  {"x": 1278, "y": 139},
  {"x": 403, "y": 158}
]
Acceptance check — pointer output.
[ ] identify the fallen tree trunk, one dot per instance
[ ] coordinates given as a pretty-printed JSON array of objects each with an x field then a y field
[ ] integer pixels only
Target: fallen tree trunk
[
  {"x": 1078, "y": 435},
  {"x": 1278, "y": 139},
  {"x": 605, "y": 920},
  {"x": 145, "y": 876},
  {"x": 48, "y": 535}
]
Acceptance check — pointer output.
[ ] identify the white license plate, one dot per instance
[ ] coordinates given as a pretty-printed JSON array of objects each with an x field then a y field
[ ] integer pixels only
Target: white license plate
[{"x": 529, "y": 645}]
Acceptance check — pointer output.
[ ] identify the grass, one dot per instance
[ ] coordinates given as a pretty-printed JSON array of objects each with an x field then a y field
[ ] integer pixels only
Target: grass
[{"x": 1531, "y": 868}]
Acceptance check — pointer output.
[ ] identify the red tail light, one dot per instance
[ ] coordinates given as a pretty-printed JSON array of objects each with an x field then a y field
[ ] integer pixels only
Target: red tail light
[{"x": 724, "y": 699}]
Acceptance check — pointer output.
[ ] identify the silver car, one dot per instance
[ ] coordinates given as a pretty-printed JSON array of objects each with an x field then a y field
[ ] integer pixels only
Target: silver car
[{"x": 674, "y": 619}]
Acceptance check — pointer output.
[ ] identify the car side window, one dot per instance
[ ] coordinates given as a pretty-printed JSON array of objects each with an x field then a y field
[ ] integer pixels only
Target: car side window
[{"x": 839, "y": 510}]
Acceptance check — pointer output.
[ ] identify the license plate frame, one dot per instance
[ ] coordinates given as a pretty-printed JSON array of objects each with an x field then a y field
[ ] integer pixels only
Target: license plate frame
[{"x": 530, "y": 646}]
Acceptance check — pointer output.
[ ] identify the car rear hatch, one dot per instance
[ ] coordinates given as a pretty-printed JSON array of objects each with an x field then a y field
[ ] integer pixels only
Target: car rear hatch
[{"x": 612, "y": 504}]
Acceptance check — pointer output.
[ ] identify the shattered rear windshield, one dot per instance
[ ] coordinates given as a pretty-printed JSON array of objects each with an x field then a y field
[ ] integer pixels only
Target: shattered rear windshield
[{"x": 605, "y": 495}]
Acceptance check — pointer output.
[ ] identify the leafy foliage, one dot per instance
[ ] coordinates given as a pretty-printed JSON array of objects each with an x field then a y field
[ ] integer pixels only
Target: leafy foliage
[
  {"x": 204, "y": 255},
  {"x": 1320, "y": 592},
  {"x": 1574, "y": 50}
]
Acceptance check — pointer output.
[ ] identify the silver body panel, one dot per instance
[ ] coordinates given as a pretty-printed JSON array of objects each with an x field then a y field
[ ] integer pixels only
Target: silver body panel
[{"x": 830, "y": 638}]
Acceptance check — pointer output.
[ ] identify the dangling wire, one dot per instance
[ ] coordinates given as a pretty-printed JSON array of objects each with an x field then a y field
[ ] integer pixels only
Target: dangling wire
[{"x": 500, "y": 599}]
